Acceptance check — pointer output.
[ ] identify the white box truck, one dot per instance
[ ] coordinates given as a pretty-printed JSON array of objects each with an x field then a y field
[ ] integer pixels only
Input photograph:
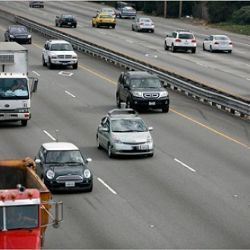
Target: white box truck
[{"x": 15, "y": 85}]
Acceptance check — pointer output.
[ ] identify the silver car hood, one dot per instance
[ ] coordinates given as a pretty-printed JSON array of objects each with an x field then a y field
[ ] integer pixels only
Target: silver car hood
[{"x": 132, "y": 137}]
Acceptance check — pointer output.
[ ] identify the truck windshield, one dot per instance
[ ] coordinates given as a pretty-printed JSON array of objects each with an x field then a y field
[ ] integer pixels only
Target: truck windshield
[
  {"x": 18, "y": 217},
  {"x": 14, "y": 88}
]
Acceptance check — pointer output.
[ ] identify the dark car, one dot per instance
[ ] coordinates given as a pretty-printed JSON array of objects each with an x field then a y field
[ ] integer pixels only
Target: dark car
[
  {"x": 142, "y": 90},
  {"x": 36, "y": 4},
  {"x": 63, "y": 167},
  {"x": 66, "y": 20},
  {"x": 17, "y": 33}
]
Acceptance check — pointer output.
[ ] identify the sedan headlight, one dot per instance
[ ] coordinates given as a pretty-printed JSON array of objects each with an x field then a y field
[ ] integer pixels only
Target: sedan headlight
[
  {"x": 29, "y": 36},
  {"x": 163, "y": 94},
  {"x": 149, "y": 139},
  {"x": 50, "y": 174},
  {"x": 137, "y": 94},
  {"x": 115, "y": 140},
  {"x": 87, "y": 174},
  {"x": 11, "y": 36}
]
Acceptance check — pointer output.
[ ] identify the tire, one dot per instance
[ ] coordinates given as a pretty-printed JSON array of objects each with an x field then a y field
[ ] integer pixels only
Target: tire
[
  {"x": 75, "y": 26},
  {"x": 43, "y": 62},
  {"x": 151, "y": 155},
  {"x": 165, "y": 109},
  {"x": 152, "y": 31},
  {"x": 113, "y": 26},
  {"x": 194, "y": 50},
  {"x": 133, "y": 28},
  {"x": 56, "y": 24},
  {"x": 110, "y": 154},
  {"x": 75, "y": 66},
  {"x": 97, "y": 25},
  {"x": 165, "y": 46},
  {"x": 173, "y": 48},
  {"x": 49, "y": 64},
  {"x": 128, "y": 104},
  {"x": 229, "y": 51},
  {"x": 93, "y": 24},
  {"x": 118, "y": 101},
  {"x": 203, "y": 47},
  {"x": 90, "y": 189},
  {"x": 30, "y": 41},
  {"x": 211, "y": 49},
  {"x": 24, "y": 123},
  {"x": 98, "y": 143}
]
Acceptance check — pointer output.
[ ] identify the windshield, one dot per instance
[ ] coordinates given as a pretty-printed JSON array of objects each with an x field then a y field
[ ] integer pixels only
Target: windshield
[
  {"x": 128, "y": 125},
  {"x": 145, "y": 20},
  {"x": 22, "y": 217},
  {"x": 186, "y": 36},
  {"x": 13, "y": 88},
  {"x": 63, "y": 156},
  {"x": 18, "y": 29},
  {"x": 61, "y": 47},
  {"x": 145, "y": 83}
]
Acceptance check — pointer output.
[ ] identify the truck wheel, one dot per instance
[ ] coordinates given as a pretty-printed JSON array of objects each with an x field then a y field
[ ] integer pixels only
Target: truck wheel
[{"x": 24, "y": 123}]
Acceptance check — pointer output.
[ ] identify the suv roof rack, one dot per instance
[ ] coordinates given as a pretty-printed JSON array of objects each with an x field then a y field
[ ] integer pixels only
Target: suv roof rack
[{"x": 126, "y": 111}]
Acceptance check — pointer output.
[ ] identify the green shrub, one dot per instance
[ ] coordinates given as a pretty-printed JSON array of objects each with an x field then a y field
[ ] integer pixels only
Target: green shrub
[{"x": 242, "y": 16}]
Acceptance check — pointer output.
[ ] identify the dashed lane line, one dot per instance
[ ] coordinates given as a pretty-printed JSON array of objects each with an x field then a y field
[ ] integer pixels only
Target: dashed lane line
[{"x": 106, "y": 185}]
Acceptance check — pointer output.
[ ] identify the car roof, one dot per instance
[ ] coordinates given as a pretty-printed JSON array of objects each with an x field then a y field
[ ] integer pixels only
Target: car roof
[
  {"x": 50, "y": 146},
  {"x": 140, "y": 74},
  {"x": 58, "y": 41},
  {"x": 17, "y": 26}
]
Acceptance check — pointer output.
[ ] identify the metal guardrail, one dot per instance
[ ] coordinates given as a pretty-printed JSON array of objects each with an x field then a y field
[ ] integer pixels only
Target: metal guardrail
[{"x": 233, "y": 104}]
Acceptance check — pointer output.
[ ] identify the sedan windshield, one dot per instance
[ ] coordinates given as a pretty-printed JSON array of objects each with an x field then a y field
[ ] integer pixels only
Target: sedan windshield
[
  {"x": 18, "y": 30},
  {"x": 145, "y": 83},
  {"x": 11, "y": 88},
  {"x": 128, "y": 125},
  {"x": 64, "y": 156}
]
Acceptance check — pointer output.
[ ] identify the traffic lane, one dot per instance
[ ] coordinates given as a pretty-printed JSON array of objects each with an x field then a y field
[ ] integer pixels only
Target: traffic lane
[
  {"x": 88, "y": 133},
  {"x": 225, "y": 85}
]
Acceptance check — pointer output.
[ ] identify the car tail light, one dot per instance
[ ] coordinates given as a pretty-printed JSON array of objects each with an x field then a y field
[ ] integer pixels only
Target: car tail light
[
  {"x": 178, "y": 40},
  {"x": 193, "y": 41},
  {"x": 216, "y": 43}
]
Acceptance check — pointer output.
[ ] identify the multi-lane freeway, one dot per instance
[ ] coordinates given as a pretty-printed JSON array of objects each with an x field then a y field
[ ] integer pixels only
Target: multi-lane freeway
[{"x": 194, "y": 193}]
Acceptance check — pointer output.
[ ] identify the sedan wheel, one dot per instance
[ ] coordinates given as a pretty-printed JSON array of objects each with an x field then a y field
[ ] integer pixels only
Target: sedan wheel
[
  {"x": 211, "y": 49},
  {"x": 110, "y": 151},
  {"x": 98, "y": 143},
  {"x": 203, "y": 46}
]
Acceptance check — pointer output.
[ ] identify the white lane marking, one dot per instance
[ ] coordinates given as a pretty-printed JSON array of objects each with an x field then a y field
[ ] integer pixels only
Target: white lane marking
[
  {"x": 49, "y": 135},
  {"x": 106, "y": 185},
  {"x": 67, "y": 92},
  {"x": 36, "y": 73},
  {"x": 248, "y": 79},
  {"x": 185, "y": 165},
  {"x": 64, "y": 73}
]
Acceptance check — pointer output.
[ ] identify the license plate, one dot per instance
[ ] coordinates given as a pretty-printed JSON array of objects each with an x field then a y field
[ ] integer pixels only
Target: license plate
[
  {"x": 151, "y": 103},
  {"x": 69, "y": 184},
  {"x": 69, "y": 23},
  {"x": 143, "y": 147}
]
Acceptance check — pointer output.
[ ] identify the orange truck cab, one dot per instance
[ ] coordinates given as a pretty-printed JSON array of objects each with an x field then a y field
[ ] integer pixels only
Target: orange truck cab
[{"x": 25, "y": 206}]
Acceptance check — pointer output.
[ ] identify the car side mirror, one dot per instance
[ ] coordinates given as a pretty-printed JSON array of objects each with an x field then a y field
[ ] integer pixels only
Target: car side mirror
[
  {"x": 57, "y": 16},
  {"x": 34, "y": 84},
  {"x": 37, "y": 161},
  {"x": 167, "y": 35},
  {"x": 150, "y": 128}
]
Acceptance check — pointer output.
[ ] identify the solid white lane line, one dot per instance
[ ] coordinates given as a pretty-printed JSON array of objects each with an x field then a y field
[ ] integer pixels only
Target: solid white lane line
[
  {"x": 49, "y": 135},
  {"x": 67, "y": 92},
  {"x": 106, "y": 185},
  {"x": 36, "y": 73},
  {"x": 185, "y": 165}
]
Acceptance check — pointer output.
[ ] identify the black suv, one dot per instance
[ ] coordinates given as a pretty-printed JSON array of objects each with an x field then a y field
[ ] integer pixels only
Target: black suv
[
  {"x": 142, "y": 90},
  {"x": 66, "y": 20}
]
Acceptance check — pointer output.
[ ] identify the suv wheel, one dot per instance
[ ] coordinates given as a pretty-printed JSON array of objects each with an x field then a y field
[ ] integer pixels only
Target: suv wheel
[
  {"x": 166, "y": 46},
  {"x": 165, "y": 109},
  {"x": 118, "y": 101},
  {"x": 193, "y": 50},
  {"x": 24, "y": 123},
  {"x": 75, "y": 66},
  {"x": 43, "y": 61},
  {"x": 211, "y": 49},
  {"x": 49, "y": 64}
]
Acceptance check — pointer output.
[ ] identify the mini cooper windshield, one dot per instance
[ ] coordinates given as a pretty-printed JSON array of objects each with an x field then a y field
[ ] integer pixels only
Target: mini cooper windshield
[{"x": 64, "y": 157}]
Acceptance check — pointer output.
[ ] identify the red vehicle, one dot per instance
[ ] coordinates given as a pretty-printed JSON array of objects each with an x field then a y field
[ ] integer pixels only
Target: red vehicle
[{"x": 24, "y": 212}]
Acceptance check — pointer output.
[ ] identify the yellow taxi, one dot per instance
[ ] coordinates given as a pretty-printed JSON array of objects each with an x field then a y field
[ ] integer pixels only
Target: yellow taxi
[{"x": 103, "y": 19}]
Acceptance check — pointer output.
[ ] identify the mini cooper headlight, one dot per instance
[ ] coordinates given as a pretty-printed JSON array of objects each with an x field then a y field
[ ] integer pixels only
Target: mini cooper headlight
[
  {"x": 50, "y": 174},
  {"x": 86, "y": 173}
]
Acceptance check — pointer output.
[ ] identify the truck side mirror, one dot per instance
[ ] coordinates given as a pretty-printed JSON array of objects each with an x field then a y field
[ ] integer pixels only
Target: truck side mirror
[{"x": 34, "y": 85}]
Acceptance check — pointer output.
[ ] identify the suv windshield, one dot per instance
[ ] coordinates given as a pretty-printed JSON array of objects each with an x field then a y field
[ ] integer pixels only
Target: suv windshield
[
  {"x": 128, "y": 125},
  {"x": 64, "y": 156},
  {"x": 11, "y": 88},
  {"x": 145, "y": 83},
  {"x": 61, "y": 47},
  {"x": 186, "y": 36}
]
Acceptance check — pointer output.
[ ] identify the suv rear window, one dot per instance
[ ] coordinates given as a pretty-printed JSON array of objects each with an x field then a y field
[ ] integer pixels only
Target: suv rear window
[{"x": 186, "y": 36}]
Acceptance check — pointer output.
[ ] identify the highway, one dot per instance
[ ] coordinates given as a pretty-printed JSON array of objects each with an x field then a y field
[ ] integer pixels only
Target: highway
[
  {"x": 194, "y": 193},
  {"x": 228, "y": 72}
]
